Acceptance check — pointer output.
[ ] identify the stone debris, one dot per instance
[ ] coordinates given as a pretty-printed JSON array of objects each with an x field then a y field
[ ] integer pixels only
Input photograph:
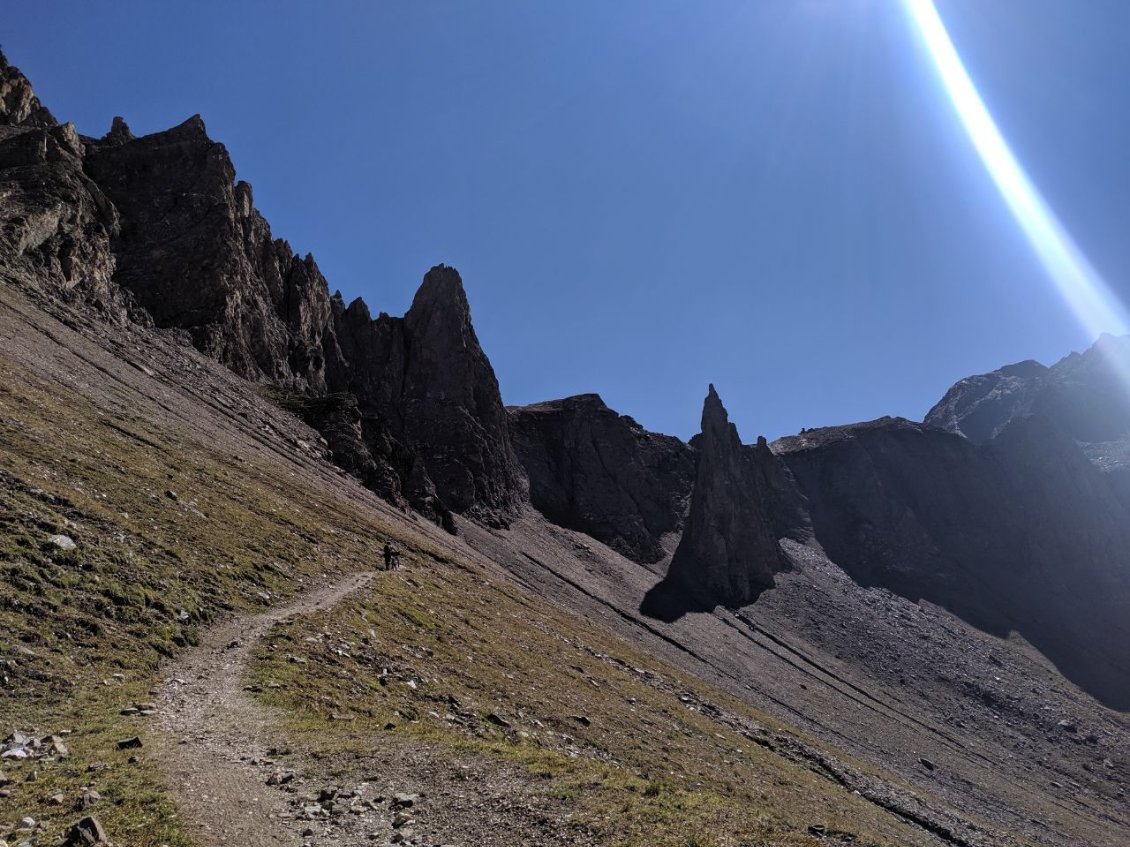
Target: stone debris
[
  {"x": 499, "y": 721},
  {"x": 334, "y": 808},
  {"x": 86, "y": 832},
  {"x": 281, "y": 777},
  {"x": 140, "y": 710},
  {"x": 22, "y": 745},
  {"x": 62, "y": 542}
]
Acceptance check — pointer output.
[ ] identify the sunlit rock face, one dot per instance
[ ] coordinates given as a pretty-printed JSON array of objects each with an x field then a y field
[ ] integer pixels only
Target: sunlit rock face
[
  {"x": 56, "y": 224},
  {"x": 18, "y": 104},
  {"x": 1086, "y": 395}
]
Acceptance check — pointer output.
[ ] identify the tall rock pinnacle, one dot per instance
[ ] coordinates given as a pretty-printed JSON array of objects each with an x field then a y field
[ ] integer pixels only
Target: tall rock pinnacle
[
  {"x": 450, "y": 400},
  {"x": 729, "y": 550}
]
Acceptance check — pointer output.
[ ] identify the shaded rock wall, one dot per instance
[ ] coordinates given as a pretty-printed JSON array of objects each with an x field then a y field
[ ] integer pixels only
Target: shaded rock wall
[
  {"x": 427, "y": 380},
  {"x": 601, "y": 473},
  {"x": 198, "y": 256},
  {"x": 1021, "y": 534},
  {"x": 158, "y": 228},
  {"x": 743, "y": 502}
]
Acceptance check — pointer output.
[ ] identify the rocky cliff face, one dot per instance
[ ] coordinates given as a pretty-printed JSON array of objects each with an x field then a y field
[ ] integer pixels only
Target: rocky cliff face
[
  {"x": 1085, "y": 395},
  {"x": 18, "y": 104},
  {"x": 56, "y": 224},
  {"x": 743, "y": 502},
  {"x": 198, "y": 256},
  {"x": 157, "y": 228},
  {"x": 979, "y": 407},
  {"x": 1022, "y": 533},
  {"x": 601, "y": 473},
  {"x": 426, "y": 380}
]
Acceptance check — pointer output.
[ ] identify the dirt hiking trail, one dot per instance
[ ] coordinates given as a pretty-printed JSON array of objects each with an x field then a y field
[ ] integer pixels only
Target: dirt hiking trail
[{"x": 218, "y": 747}]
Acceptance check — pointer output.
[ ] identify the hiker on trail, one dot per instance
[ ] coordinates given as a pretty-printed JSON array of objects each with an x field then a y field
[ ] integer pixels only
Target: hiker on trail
[{"x": 392, "y": 556}]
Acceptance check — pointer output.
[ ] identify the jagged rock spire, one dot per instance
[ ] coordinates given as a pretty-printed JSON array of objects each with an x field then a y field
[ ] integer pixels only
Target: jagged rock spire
[
  {"x": 119, "y": 132},
  {"x": 450, "y": 400},
  {"x": 729, "y": 550}
]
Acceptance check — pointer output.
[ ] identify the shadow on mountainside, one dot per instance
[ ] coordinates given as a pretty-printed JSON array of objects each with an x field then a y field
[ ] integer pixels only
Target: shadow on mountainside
[{"x": 669, "y": 600}]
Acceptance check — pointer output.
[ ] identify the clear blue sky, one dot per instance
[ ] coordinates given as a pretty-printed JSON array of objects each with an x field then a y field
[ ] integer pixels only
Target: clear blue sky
[{"x": 644, "y": 197}]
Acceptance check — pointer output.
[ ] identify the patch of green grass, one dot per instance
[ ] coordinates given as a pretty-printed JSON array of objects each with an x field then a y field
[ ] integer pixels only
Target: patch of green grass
[
  {"x": 135, "y": 804},
  {"x": 436, "y": 650},
  {"x": 149, "y": 570}
]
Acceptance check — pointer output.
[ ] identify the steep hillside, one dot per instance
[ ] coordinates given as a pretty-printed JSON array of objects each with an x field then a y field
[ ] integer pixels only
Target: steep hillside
[
  {"x": 190, "y": 497},
  {"x": 882, "y": 634}
]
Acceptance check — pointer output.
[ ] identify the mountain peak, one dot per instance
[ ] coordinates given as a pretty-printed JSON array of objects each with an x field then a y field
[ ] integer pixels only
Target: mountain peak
[
  {"x": 729, "y": 551},
  {"x": 442, "y": 290},
  {"x": 18, "y": 104}
]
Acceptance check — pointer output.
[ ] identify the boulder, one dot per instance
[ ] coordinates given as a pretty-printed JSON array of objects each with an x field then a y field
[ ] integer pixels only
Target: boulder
[{"x": 87, "y": 831}]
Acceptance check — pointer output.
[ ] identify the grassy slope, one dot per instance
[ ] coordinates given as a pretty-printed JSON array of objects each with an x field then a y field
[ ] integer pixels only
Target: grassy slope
[
  {"x": 438, "y": 648},
  {"x": 243, "y": 529},
  {"x": 147, "y": 572}
]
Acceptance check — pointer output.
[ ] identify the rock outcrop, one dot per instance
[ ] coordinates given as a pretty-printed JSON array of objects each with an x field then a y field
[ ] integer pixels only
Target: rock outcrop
[
  {"x": 56, "y": 225},
  {"x": 743, "y": 502},
  {"x": 601, "y": 473},
  {"x": 18, "y": 104},
  {"x": 1086, "y": 395},
  {"x": 1022, "y": 533},
  {"x": 157, "y": 229},
  {"x": 425, "y": 380},
  {"x": 198, "y": 256},
  {"x": 980, "y": 407}
]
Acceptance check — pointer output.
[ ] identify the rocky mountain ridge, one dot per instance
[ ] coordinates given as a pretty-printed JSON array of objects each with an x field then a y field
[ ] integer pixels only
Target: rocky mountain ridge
[
  {"x": 158, "y": 229},
  {"x": 1013, "y": 518},
  {"x": 600, "y": 472}
]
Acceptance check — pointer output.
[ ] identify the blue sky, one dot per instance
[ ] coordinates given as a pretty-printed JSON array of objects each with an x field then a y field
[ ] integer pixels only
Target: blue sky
[{"x": 644, "y": 197}]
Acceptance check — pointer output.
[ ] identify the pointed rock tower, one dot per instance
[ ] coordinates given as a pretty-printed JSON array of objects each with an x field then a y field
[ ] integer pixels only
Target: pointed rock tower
[
  {"x": 742, "y": 497},
  {"x": 451, "y": 406}
]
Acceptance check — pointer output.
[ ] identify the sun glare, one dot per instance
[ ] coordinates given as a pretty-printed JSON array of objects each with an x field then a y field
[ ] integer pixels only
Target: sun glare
[{"x": 1088, "y": 296}]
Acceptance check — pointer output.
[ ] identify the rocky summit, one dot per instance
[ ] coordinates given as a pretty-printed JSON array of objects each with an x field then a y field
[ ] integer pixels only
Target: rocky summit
[
  {"x": 279, "y": 568},
  {"x": 157, "y": 229}
]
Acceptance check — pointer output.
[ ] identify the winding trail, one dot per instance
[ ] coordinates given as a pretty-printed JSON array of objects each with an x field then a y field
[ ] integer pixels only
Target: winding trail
[{"x": 216, "y": 734}]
